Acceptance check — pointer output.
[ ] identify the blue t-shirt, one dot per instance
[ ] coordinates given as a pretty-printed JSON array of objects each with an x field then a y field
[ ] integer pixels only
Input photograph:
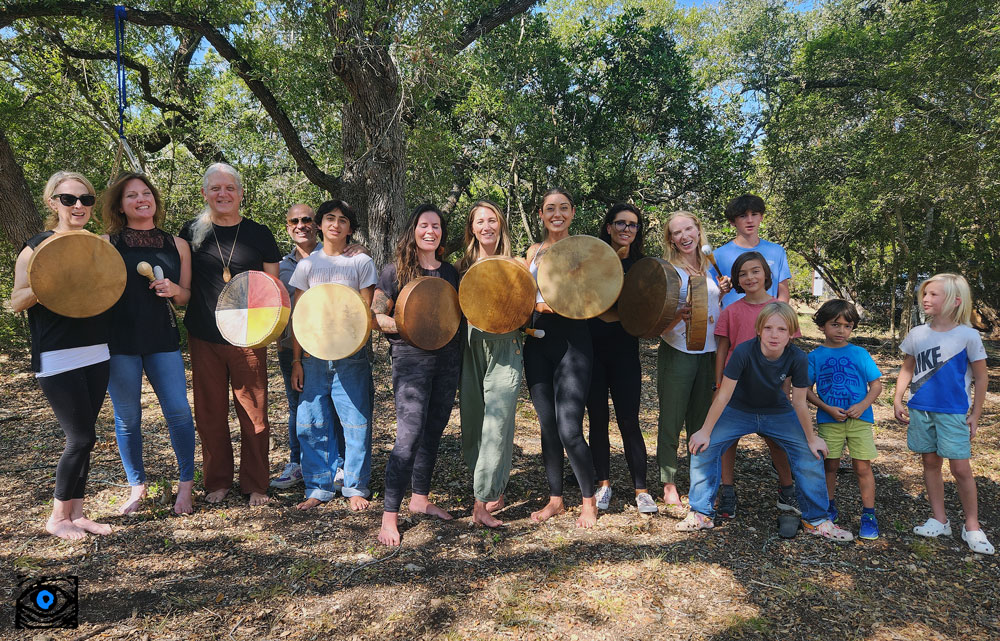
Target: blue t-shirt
[
  {"x": 842, "y": 376},
  {"x": 942, "y": 376},
  {"x": 774, "y": 254},
  {"x": 759, "y": 379}
]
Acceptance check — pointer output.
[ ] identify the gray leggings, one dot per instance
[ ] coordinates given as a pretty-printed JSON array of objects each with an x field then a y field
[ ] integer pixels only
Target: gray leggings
[{"x": 424, "y": 385}]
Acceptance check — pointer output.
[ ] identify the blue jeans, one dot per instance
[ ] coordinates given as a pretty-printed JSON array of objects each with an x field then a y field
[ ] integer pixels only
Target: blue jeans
[
  {"x": 335, "y": 390},
  {"x": 285, "y": 363},
  {"x": 810, "y": 478},
  {"x": 165, "y": 371}
]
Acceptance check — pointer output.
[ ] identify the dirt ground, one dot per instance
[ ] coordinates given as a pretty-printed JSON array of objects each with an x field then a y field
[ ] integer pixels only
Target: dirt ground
[{"x": 235, "y": 572}]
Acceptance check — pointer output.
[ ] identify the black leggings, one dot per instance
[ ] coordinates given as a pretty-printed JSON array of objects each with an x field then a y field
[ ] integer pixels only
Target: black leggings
[
  {"x": 424, "y": 386},
  {"x": 616, "y": 368},
  {"x": 557, "y": 370},
  {"x": 76, "y": 397}
]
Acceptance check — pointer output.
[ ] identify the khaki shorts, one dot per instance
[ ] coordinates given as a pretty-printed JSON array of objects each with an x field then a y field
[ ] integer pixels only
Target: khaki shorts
[{"x": 855, "y": 432}]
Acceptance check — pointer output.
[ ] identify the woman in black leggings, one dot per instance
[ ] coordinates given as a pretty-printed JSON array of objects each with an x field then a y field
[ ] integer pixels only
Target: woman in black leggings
[
  {"x": 557, "y": 370},
  {"x": 616, "y": 369},
  {"x": 70, "y": 359}
]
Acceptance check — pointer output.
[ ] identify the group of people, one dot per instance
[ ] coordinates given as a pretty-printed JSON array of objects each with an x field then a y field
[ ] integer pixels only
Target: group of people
[{"x": 747, "y": 378}]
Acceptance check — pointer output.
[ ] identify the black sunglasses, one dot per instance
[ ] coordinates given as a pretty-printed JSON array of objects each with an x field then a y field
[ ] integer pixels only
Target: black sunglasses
[
  {"x": 304, "y": 220},
  {"x": 68, "y": 200}
]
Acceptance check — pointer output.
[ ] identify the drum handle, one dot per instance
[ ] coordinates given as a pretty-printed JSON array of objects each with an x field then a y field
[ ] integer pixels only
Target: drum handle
[{"x": 534, "y": 333}]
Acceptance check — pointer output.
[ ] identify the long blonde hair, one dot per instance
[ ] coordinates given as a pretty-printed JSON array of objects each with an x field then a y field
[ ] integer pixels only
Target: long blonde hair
[
  {"x": 955, "y": 288},
  {"x": 53, "y": 183},
  {"x": 472, "y": 243},
  {"x": 670, "y": 252}
]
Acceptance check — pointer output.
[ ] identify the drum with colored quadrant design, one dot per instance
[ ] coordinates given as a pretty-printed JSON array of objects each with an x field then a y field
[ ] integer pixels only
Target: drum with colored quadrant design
[
  {"x": 253, "y": 309},
  {"x": 649, "y": 298},
  {"x": 580, "y": 277},
  {"x": 427, "y": 312},
  {"x": 76, "y": 274},
  {"x": 332, "y": 321},
  {"x": 497, "y": 294}
]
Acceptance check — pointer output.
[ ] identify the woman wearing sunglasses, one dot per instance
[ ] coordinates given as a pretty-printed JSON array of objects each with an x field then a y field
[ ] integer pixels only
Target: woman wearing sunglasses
[
  {"x": 144, "y": 333},
  {"x": 69, "y": 357}
]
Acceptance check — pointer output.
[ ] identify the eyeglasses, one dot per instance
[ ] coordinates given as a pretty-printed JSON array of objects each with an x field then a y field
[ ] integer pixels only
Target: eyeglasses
[
  {"x": 68, "y": 200},
  {"x": 622, "y": 225},
  {"x": 305, "y": 220}
]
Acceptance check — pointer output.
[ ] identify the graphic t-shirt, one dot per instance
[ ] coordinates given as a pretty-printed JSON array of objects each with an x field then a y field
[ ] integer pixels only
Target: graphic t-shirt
[
  {"x": 357, "y": 272},
  {"x": 842, "y": 375},
  {"x": 774, "y": 254},
  {"x": 942, "y": 376},
  {"x": 759, "y": 379}
]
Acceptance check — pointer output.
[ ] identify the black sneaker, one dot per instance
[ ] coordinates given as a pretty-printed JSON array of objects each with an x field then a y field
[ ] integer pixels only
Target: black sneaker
[
  {"x": 726, "y": 508},
  {"x": 787, "y": 501}
]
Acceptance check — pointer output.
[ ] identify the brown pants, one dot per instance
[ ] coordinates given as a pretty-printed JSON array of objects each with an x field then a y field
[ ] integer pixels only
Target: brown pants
[{"x": 214, "y": 368}]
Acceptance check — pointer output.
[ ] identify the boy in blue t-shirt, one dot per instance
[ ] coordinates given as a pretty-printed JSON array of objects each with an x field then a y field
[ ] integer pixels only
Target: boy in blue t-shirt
[{"x": 847, "y": 383}]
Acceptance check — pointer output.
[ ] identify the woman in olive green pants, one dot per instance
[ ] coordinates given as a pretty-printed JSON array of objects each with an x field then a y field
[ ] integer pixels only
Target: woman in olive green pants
[{"x": 491, "y": 378}]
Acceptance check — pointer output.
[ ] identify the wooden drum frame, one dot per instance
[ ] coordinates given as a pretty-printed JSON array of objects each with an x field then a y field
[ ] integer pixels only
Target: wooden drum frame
[
  {"x": 697, "y": 327},
  {"x": 650, "y": 297},
  {"x": 427, "y": 312},
  {"x": 76, "y": 274},
  {"x": 497, "y": 294}
]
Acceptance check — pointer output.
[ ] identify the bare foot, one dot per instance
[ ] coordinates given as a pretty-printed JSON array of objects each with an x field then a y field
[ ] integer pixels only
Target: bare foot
[
  {"x": 89, "y": 526},
  {"x": 389, "y": 534},
  {"x": 481, "y": 515},
  {"x": 495, "y": 506},
  {"x": 135, "y": 497},
  {"x": 258, "y": 498},
  {"x": 64, "y": 529},
  {"x": 670, "y": 495},
  {"x": 420, "y": 505},
  {"x": 309, "y": 504},
  {"x": 183, "y": 503},
  {"x": 358, "y": 503},
  {"x": 588, "y": 513},
  {"x": 217, "y": 496},
  {"x": 554, "y": 506}
]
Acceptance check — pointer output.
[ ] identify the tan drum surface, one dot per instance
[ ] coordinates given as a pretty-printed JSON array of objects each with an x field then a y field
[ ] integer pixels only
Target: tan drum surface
[
  {"x": 697, "y": 327},
  {"x": 427, "y": 312},
  {"x": 649, "y": 298},
  {"x": 497, "y": 294},
  {"x": 77, "y": 274},
  {"x": 331, "y": 321},
  {"x": 580, "y": 277},
  {"x": 253, "y": 309}
]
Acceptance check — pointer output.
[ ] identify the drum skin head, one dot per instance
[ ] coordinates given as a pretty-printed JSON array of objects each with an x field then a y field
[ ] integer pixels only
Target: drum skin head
[
  {"x": 580, "y": 277},
  {"x": 649, "y": 298},
  {"x": 427, "y": 312},
  {"x": 332, "y": 321},
  {"x": 497, "y": 294},
  {"x": 77, "y": 274},
  {"x": 253, "y": 309}
]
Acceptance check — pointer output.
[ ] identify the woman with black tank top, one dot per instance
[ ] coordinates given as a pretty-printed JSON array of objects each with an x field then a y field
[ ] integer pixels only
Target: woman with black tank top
[
  {"x": 557, "y": 370},
  {"x": 144, "y": 333},
  {"x": 70, "y": 359},
  {"x": 616, "y": 370}
]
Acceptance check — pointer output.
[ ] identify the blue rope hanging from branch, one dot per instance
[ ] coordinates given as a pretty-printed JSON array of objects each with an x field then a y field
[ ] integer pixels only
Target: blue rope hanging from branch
[{"x": 121, "y": 14}]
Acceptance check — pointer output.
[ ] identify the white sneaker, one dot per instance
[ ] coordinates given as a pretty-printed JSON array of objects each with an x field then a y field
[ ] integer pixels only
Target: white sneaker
[
  {"x": 292, "y": 475},
  {"x": 338, "y": 480},
  {"x": 933, "y": 528},
  {"x": 603, "y": 496},
  {"x": 977, "y": 541},
  {"x": 645, "y": 503}
]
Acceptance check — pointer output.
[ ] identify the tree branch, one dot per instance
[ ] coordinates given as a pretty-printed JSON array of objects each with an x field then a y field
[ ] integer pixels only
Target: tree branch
[{"x": 489, "y": 21}]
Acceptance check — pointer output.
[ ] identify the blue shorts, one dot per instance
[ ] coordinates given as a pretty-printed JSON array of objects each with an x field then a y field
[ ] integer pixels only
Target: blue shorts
[{"x": 947, "y": 435}]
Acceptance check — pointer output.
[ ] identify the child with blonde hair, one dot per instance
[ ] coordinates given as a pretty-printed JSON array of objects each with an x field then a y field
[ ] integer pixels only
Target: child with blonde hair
[{"x": 943, "y": 358}]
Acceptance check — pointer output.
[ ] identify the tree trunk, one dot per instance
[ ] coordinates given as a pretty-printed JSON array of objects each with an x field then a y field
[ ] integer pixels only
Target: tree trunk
[{"x": 18, "y": 216}]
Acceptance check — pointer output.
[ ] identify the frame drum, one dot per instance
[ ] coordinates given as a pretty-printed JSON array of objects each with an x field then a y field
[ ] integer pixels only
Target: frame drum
[
  {"x": 697, "y": 327},
  {"x": 253, "y": 309},
  {"x": 76, "y": 274},
  {"x": 332, "y": 321},
  {"x": 427, "y": 312},
  {"x": 580, "y": 277},
  {"x": 649, "y": 298},
  {"x": 497, "y": 294}
]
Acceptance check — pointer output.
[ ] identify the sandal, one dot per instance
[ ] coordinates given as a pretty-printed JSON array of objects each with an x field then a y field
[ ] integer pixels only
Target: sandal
[
  {"x": 695, "y": 521},
  {"x": 933, "y": 528},
  {"x": 977, "y": 541},
  {"x": 828, "y": 531}
]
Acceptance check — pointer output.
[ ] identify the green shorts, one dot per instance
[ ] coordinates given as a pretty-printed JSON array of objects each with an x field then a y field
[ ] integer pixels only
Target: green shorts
[
  {"x": 858, "y": 435},
  {"x": 947, "y": 435}
]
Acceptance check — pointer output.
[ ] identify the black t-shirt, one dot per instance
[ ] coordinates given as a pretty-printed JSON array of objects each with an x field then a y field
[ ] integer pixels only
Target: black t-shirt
[
  {"x": 601, "y": 330},
  {"x": 251, "y": 244},
  {"x": 389, "y": 284},
  {"x": 758, "y": 380}
]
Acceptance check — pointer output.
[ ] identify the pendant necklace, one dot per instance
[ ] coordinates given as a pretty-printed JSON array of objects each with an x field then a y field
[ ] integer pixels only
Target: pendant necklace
[{"x": 226, "y": 275}]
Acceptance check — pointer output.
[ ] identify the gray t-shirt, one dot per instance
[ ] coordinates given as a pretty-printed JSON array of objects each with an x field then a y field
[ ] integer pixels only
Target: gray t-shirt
[
  {"x": 357, "y": 272},
  {"x": 759, "y": 379}
]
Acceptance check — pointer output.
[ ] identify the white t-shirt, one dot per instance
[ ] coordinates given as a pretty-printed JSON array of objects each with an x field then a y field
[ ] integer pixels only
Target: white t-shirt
[
  {"x": 357, "y": 272},
  {"x": 677, "y": 337},
  {"x": 942, "y": 376}
]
